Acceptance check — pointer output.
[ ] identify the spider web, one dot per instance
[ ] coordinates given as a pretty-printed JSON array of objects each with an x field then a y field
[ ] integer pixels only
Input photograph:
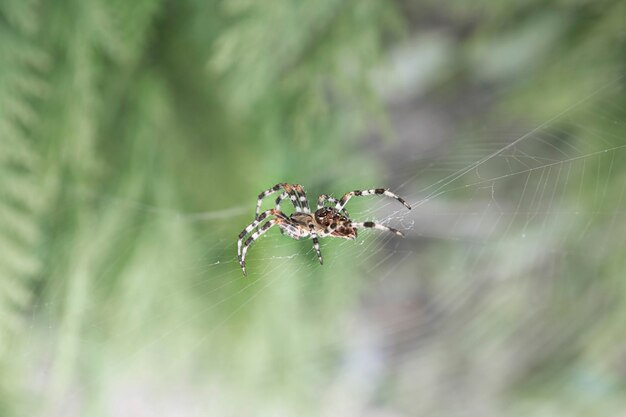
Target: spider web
[
  {"x": 505, "y": 224},
  {"x": 471, "y": 294}
]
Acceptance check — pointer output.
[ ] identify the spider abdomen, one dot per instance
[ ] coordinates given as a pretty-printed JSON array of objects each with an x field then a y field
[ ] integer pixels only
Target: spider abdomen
[{"x": 334, "y": 223}]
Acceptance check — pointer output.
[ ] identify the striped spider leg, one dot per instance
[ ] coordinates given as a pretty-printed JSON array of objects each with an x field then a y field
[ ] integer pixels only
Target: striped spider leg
[
  {"x": 297, "y": 191},
  {"x": 299, "y": 201},
  {"x": 298, "y": 198},
  {"x": 280, "y": 199},
  {"x": 372, "y": 225},
  {"x": 242, "y": 247},
  {"x": 322, "y": 199},
  {"x": 380, "y": 191},
  {"x": 305, "y": 207}
]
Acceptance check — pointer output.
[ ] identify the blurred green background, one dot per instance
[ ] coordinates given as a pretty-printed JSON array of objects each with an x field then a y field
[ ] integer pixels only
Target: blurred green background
[{"x": 135, "y": 137}]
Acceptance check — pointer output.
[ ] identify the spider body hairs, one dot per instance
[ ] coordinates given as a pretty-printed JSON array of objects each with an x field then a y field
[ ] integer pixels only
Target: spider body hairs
[{"x": 324, "y": 222}]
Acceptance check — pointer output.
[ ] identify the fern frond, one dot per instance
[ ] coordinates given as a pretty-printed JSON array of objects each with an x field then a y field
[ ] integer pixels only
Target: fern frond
[{"x": 21, "y": 202}]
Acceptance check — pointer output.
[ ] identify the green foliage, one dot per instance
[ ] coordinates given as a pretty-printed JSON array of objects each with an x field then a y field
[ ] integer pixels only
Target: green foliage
[
  {"x": 115, "y": 117},
  {"x": 315, "y": 66},
  {"x": 23, "y": 201}
]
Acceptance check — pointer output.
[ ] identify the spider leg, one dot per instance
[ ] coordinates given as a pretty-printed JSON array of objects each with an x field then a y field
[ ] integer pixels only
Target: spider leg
[
  {"x": 266, "y": 226},
  {"x": 300, "y": 198},
  {"x": 280, "y": 200},
  {"x": 372, "y": 225},
  {"x": 295, "y": 192},
  {"x": 304, "y": 203},
  {"x": 322, "y": 199},
  {"x": 316, "y": 246},
  {"x": 289, "y": 189},
  {"x": 255, "y": 223},
  {"x": 381, "y": 191}
]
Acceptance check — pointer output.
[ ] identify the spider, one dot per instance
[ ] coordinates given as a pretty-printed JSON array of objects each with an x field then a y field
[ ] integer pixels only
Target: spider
[{"x": 325, "y": 222}]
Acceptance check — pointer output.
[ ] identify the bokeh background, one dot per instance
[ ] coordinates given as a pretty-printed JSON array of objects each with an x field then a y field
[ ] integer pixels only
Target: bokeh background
[{"x": 135, "y": 137}]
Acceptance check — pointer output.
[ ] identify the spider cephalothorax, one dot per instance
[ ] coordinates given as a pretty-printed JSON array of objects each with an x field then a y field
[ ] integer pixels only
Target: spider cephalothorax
[{"x": 325, "y": 222}]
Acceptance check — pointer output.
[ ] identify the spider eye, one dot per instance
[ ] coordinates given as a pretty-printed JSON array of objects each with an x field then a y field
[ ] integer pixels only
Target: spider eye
[
  {"x": 311, "y": 226},
  {"x": 333, "y": 226}
]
